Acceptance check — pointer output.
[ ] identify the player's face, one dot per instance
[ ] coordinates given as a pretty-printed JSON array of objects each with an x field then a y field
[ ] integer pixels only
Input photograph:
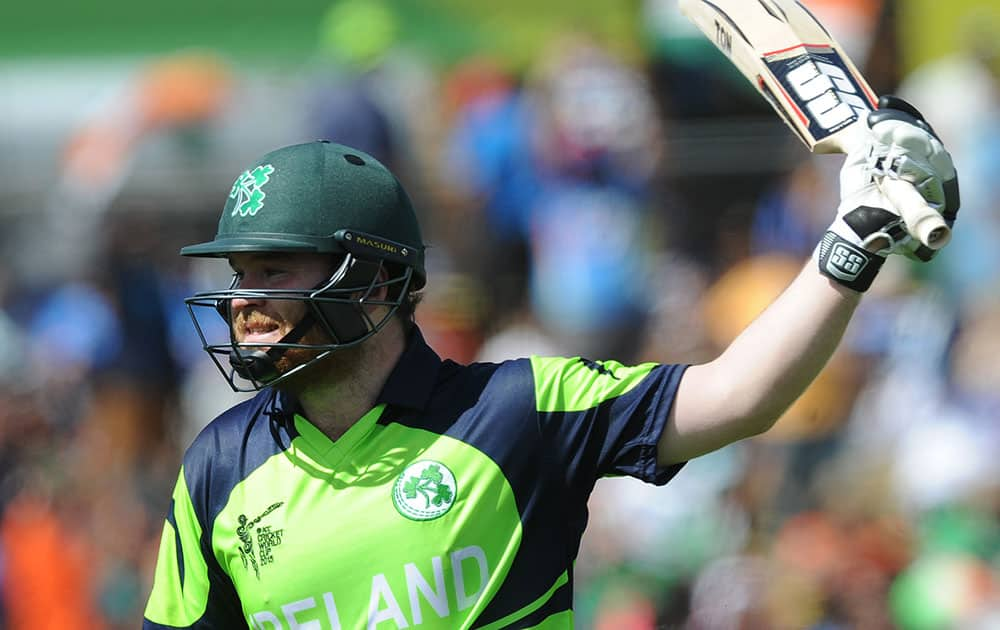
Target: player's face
[{"x": 262, "y": 320}]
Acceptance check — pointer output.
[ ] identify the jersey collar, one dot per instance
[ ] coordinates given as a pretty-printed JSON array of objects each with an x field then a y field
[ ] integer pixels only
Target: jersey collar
[{"x": 410, "y": 383}]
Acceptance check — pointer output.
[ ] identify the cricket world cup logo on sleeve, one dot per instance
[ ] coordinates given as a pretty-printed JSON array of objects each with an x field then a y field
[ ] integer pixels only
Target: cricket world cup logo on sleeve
[
  {"x": 248, "y": 190},
  {"x": 425, "y": 490}
]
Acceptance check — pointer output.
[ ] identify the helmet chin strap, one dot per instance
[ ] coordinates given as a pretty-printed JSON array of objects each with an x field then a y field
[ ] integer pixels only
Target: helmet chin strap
[{"x": 257, "y": 365}]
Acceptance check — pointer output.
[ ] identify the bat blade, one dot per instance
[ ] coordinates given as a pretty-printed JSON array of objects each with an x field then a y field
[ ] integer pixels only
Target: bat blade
[
  {"x": 801, "y": 70},
  {"x": 793, "y": 62}
]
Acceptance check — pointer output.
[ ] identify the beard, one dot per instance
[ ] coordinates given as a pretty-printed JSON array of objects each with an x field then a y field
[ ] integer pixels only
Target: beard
[
  {"x": 322, "y": 365},
  {"x": 339, "y": 365}
]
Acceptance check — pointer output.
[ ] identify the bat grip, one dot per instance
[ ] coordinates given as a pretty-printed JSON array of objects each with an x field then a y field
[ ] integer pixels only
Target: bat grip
[{"x": 923, "y": 222}]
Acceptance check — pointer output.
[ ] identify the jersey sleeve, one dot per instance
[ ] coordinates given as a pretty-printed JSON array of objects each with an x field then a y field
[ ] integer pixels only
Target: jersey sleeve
[
  {"x": 189, "y": 588},
  {"x": 603, "y": 418}
]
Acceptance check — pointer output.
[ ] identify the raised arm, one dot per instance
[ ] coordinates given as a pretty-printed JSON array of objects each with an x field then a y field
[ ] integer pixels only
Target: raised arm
[
  {"x": 747, "y": 388},
  {"x": 762, "y": 372}
]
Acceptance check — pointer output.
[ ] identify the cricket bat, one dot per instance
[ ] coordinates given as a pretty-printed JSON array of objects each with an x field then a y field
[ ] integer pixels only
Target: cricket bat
[{"x": 796, "y": 64}]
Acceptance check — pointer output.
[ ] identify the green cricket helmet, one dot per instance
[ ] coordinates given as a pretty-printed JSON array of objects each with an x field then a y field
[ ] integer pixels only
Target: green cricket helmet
[{"x": 316, "y": 198}]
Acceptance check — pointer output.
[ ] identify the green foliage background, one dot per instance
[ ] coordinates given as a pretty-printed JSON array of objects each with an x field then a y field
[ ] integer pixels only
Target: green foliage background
[
  {"x": 288, "y": 30},
  {"x": 929, "y": 29}
]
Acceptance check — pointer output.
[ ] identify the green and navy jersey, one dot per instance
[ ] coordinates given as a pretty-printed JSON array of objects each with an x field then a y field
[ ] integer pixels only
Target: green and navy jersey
[{"x": 458, "y": 501}]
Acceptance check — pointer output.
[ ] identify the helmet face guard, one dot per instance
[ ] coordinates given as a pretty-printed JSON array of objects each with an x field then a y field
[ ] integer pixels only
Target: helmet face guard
[{"x": 336, "y": 307}]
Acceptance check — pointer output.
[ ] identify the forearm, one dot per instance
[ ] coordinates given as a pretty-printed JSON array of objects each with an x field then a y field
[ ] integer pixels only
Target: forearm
[
  {"x": 747, "y": 388},
  {"x": 767, "y": 367}
]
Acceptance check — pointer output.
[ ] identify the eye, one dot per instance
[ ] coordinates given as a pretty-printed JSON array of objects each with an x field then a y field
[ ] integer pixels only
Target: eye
[{"x": 274, "y": 273}]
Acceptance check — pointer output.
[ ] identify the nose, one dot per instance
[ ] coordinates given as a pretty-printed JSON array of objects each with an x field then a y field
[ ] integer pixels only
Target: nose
[{"x": 241, "y": 302}]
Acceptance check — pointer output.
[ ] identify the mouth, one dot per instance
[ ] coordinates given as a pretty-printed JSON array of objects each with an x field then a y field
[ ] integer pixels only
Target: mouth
[{"x": 258, "y": 329}]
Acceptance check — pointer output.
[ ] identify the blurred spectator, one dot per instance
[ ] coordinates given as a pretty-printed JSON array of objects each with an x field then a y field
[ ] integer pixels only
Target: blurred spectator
[
  {"x": 945, "y": 591},
  {"x": 791, "y": 217},
  {"x": 591, "y": 229},
  {"x": 48, "y": 563},
  {"x": 490, "y": 176},
  {"x": 563, "y": 169},
  {"x": 969, "y": 123},
  {"x": 176, "y": 92},
  {"x": 354, "y": 39}
]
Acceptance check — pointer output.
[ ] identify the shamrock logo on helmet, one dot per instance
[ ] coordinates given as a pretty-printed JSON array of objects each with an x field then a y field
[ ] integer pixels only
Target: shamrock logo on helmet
[{"x": 248, "y": 190}]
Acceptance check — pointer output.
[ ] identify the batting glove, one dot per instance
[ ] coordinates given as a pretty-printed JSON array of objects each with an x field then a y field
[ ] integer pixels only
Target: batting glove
[{"x": 898, "y": 143}]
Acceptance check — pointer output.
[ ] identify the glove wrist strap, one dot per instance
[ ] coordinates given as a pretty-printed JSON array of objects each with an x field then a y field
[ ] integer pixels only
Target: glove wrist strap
[{"x": 847, "y": 263}]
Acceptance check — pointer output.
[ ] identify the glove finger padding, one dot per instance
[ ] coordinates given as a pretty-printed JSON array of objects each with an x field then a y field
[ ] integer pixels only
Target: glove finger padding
[
  {"x": 878, "y": 229},
  {"x": 920, "y": 175},
  {"x": 865, "y": 217},
  {"x": 908, "y": 148}
]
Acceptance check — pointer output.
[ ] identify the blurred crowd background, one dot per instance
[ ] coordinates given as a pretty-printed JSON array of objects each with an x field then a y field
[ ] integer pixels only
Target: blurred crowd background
[{"x": 593, "y": 179}]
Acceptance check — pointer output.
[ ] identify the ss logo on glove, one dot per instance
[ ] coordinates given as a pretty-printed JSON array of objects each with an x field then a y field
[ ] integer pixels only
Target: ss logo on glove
[
  {"x": 847, "y": 260},
  {"x": 844, "y": 261}
]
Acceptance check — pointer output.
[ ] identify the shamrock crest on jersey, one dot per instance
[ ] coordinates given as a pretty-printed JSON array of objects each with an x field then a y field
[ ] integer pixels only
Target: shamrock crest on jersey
[
  {"x": 425, "y": 490},
  {"x": 248, "y": 190}
]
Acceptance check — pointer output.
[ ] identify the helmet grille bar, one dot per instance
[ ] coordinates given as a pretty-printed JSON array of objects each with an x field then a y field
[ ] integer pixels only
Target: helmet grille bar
[{"x": 330, "y": 298}]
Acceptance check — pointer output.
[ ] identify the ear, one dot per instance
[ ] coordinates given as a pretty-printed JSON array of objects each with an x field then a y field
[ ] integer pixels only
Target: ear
[{"x": 380, "y": 292}]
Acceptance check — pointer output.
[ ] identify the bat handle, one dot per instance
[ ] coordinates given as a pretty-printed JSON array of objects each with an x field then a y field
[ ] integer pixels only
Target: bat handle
[{"x": 922, "y": 221}]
